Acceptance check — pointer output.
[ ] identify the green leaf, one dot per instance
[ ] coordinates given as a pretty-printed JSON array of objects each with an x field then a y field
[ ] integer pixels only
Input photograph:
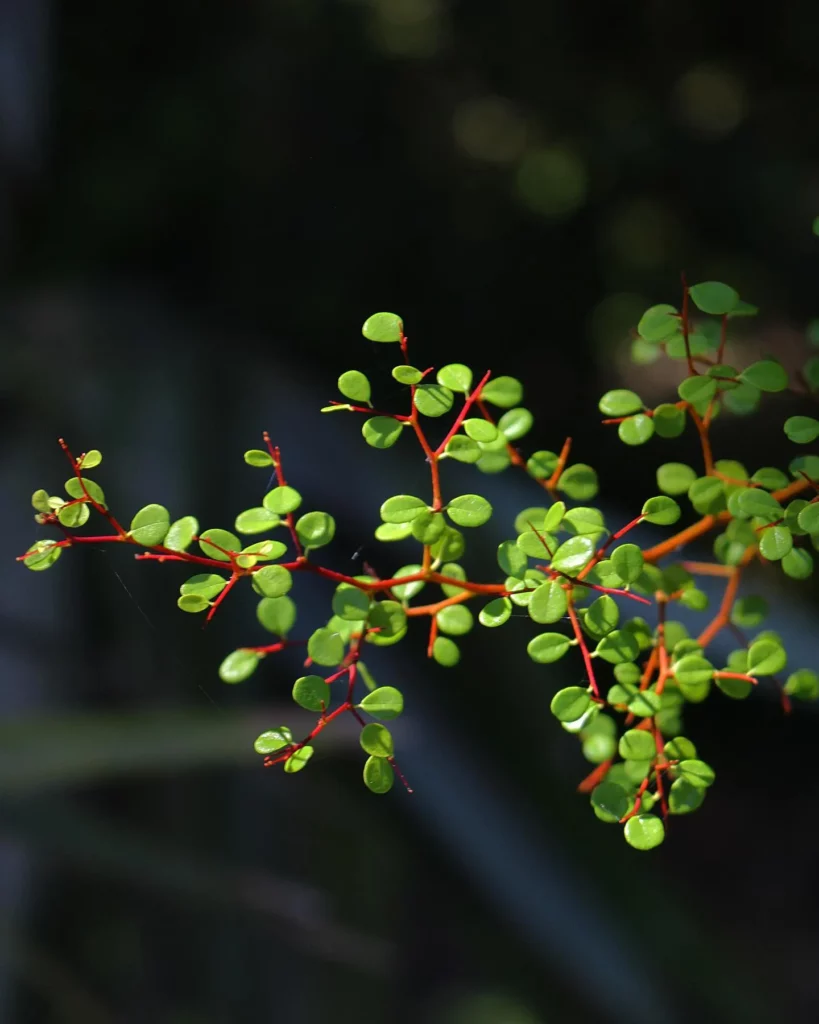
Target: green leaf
[
  {"x": 637, "y": 745},
  {"x": 385, "y": 702},
  {"x": 391, "y": 532},
  {"x": 802, "y": 429},
  {"x": 407, "y": 374},
  {"x": 298, "y": 759},
  {"x": 39, "y": 501},
  {"x": 742, "y": 400},
  {"x": 282, "y": 500},
  {"x": 621, "y": 645},
  {"x": 42, "y": 555},
  {"x": 367, "y": 676},
  {"x": 496, "y": 612},
  {"x": 755, "y": 502},
  {"x": 469, "y": 510},
  {"x": 570, "y": 704},
  {"x": 351, "y": 603},
  {"x": 386, "y": 327},
  {"x": 644, "y": 831},
  {"x": 455, "y": 620},
  {"x": 455, "y": 376},
  {"x": 150, "y": 525},
  {"x": 743, "y": 308},
  {"x": 480, "y": 430},
  {"x": 669, "y": 421},
  {"x": 679, "y": 749},
  {"x": 541, "y": 464},
  {"x": 433, "y": 399},
  {"x": 536, "y": 545},
  {"x": 406, "y": 591},
  {"x": 446, "y": 652},
  {"x": 312, "y": 693},
  {"x": 659, "y": 323},
  {"x": 554, "y": 517},
  {"x": 238, "y": 665},
  {"x": 181, "y": 533},
  {"x": 402, "y": 508},
  {"x": 504, "y": 392},
  {"x": 610, "y": 801},
  {"x": 205, "y": 585},
  {"x": 260, "y": 551},
  {"x": 256, "y": 457},
  {"x": 464, "y": 449},
  {"x": 684, "y": 798},
  {"x": 808, "y": 517},
  {"x": 627, "y": 560},
  {"x": 378, "y": 775},
  {"x": 697, "y": 773},
  {"x": 807, "y": 464},
  {"x": 707, "y": 495},
  {"x": 767, "y": 375},
  {"x": 276, "y": 614},
  {"x": 547, "y": 647},
  {"x": 697, "y": 390},
  {"x": 584, "y": 521},
  {"x": 573, "y": 555},
  {"x": 714, "y": 297},
  {"x": 272, "y": 581},
  {"x": 272, "y": 740},
  {"x": 530, "y": 517},
  {"x": 511, "y": 559},
  {"x": 770, "y": 478},
  {"x": 749, "y": 611},
  {"x": 381, "y": 431},
  {"x": 579, "y": 482},
  {"x": 810, "y": 373},
  {"x": 91, "y": 459},
  {"x": 254, "y": 520},
  {"x": 693, "y": 670},
  {"x": 601, "y": 617},
  {"x": 675, "y": 477},
  {"x": 516, "y": 423},
  {"x": 326, "y": 648},
  {"x": 644, "y": 703},
  {"x": 766, "y": 658},
  {"x": 775, "y": 542},
  {"x": 636, "y": 429},
  {"x": 353, "y": 384},
  {"x": 620, "y": 403},
  {"x": 390, "y": 619},
  {"x": 315, "y": 529},
  {"x": 548, "y": 603},
  {"x": 428, "y": 527},
  {"x": 722, "y": 373},
  {"x": 211, "y": 541},
  {"x": 74, "y": 489},
  {"x": 376, "y": 740},
  {"x": 661, "y": 511},
  {"x": 798, "y": 564},
  {"x": 73, "y": 516},
  {"x": 450, "y": 544},
  {"x": 192, "y": 603},
  {"x": 803, "y": 684},
  {"x": 456, "y": 572}
]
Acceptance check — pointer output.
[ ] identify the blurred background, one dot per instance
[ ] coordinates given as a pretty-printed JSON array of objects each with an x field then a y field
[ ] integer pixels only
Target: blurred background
[{"x": 200, "y": 203}]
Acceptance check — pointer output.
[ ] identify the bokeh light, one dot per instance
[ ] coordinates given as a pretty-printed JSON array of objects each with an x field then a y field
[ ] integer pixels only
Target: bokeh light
[
  {"x": 552, "y": 181},
  {"x": 710, "y": 101},
  {"x": 489, "y": 128}
]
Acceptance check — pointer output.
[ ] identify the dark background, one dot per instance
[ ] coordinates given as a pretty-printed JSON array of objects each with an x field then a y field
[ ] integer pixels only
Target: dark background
[{"x": 199, "y": 205}]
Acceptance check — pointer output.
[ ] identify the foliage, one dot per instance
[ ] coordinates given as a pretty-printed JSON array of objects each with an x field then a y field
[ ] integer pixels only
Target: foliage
[{"x": 577, "y": 579}]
